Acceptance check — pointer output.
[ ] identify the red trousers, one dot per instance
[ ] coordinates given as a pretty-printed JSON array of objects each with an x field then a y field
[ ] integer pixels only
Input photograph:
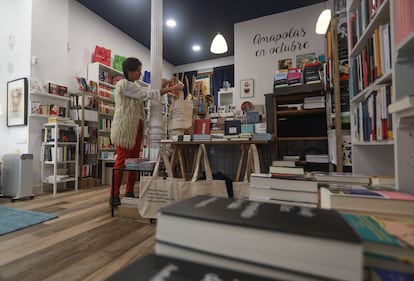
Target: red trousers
[{"x": 122, "y": 154}]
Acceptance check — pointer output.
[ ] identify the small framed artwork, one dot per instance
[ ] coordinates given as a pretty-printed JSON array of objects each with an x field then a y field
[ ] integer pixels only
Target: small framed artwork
[
  {"x": 284, "y": 65},
  {"x": 17, "y": 98},
  {"x": 247, "y": 88}
]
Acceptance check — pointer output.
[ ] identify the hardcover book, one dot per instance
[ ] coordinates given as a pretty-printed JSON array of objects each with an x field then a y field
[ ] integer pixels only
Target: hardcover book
[
  {"x": 367, "y": 200},
  {"x": 287, "y": 237},
  {"x": 153, "y": 267},
  {"x": 376, "y": 239},
  {"x": 341, "y": 177},
  {"x": 296, "y": 182}
]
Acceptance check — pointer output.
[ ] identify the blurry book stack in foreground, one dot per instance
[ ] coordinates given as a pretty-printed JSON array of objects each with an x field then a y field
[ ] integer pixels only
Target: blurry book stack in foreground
[
  {"x": 156, "y": 267},
  {"x": 388, "y": 244},
  {"x": 270, "y": 240}
]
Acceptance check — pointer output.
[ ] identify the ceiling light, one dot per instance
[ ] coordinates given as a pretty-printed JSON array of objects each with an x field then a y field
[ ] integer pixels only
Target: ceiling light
[
  {"x": 219, "y": 44},
  {"x": 196, "y": 48},
  {"x": 323, "y": 21},
  {"x": 171, "y": 23}
]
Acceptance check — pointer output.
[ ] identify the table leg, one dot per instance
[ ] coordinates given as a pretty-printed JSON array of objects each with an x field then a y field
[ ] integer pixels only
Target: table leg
[{"x": 241, "y": 160}]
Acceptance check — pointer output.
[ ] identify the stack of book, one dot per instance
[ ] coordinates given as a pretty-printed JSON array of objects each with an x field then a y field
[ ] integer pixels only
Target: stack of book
[
  {"x": 281, "y": 79},
  {"x": 293, "y": 190},
  {"x": 201, "y": 137},
  {"x": 314, "y": 102},
  {"x": 269, "y": 240},
  {"x": 388, "y": 243},
  {"x": 341, "y": 177},
  {"x": 366, "y": 198},
  {"x": 157, "y": 267},
  {"x": 286, "y": 167},
  {"x": 311, "y": 73}
]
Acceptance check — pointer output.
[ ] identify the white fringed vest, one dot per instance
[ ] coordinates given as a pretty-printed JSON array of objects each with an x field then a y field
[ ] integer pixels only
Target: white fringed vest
[{"x": 128, "y": 113}]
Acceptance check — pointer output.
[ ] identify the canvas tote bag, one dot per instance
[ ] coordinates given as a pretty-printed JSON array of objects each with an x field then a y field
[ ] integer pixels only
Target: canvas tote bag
[
  {"x": 156, "y": 192},
  {"x": 181, "y": 115},
  {"x": 241, "y": 188},
  {"x": 209, "y": 186}
]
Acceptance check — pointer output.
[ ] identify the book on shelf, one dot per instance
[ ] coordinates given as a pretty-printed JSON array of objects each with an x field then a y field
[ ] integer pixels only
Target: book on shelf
[
  {"x": 287, "y": 237},
  {"x": 157, "y": 267},
  {"x": 376, "y": 239},
  {"x": 356, "y": 198},
  {"x": 343, "y": 177}
]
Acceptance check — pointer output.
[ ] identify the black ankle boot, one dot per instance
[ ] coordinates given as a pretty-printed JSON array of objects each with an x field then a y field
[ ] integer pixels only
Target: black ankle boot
[
  {"x": 115, "y": 202},
  {"x": 129, "y": 194}
]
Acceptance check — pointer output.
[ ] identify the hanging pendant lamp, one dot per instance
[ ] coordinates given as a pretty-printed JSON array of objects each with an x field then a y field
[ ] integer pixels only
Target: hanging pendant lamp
[
  {"x": 219, "y": 44},
  {"x": 323, "y": 21}
]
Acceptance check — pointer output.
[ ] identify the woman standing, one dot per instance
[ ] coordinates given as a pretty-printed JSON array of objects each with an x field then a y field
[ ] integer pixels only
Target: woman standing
[{"x": 127, "y": 125}]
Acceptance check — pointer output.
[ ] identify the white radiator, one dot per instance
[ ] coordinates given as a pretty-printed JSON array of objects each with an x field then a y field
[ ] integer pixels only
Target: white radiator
[{"x": 17, "y": 175}]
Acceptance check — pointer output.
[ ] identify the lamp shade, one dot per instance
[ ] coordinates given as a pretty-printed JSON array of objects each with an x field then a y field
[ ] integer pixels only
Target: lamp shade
[
  {"x": 323, "y": 21},
  {"x": 219, "y": 44}
]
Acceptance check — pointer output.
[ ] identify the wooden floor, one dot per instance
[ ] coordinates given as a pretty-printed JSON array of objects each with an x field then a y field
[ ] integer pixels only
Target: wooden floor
[{"x": 83, "y": 243}]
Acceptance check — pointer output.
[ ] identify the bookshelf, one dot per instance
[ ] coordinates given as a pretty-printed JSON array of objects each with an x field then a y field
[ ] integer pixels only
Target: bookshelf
[
  {"x": 84, "y": 110},
  {"x": 402, "y": 76},
  {"x": 296, "y": 130},
  {"x": 41, "y": 103},
  {"x": 106, "y": 78},
  {"x": 59, "y": 162},
  {"x": 371, "y": 86}
]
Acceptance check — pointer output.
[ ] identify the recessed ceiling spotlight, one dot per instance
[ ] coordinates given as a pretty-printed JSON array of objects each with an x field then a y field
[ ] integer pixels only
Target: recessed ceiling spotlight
[
  {"x": 171, "y": 23},
  {"x": 196, "y": 48}
]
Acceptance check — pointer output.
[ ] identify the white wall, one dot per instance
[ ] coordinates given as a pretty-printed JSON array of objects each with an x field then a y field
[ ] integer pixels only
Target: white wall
[
  {"x": 205, "y": 66},
  {"x": 62, "y": 35},
  {"x": 258, "y": 61},
  {"x": 15, "y": 21}
]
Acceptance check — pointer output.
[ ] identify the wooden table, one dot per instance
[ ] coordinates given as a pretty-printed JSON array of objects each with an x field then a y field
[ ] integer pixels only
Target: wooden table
[{"x": 181, "y": 149}]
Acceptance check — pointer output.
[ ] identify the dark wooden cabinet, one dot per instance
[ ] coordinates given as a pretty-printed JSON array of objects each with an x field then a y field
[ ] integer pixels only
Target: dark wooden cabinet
[{"x": 297, "y": 131}]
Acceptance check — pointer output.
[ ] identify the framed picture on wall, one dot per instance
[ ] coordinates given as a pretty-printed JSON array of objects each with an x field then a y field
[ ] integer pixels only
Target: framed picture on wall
[
  {"x": 247, "y": 88},
  {"x": 17, "y": 96}
]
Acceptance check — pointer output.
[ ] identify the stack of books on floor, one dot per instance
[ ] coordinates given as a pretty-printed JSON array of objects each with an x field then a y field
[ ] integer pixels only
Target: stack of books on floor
[
  {"x": 296, "y": 190},
  {"x": 269, "y": 240},
  {"x": 388, "y": 245}
]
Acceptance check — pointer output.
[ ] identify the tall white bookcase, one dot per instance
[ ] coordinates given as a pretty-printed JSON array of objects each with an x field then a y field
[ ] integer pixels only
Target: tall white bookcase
[
  {"x": 390, "y": 156},
  {"x": 60, "y": 152}
]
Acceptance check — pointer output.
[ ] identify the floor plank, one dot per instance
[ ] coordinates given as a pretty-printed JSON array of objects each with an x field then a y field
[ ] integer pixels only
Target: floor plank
[{"x": 83, "y": 243}]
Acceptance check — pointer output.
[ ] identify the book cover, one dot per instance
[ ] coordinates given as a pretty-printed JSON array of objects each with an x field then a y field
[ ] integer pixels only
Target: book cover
[
  {"x": 202, "y": 127},
  {"x": 366, "y": 200},
  {"x": 287, "y": 236},
  {"x": 376, "y": 239},
  {"x": 233, "y": 264},
  {"x": 327, "y": 224},
  {"x": 154, "y": 267}
]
